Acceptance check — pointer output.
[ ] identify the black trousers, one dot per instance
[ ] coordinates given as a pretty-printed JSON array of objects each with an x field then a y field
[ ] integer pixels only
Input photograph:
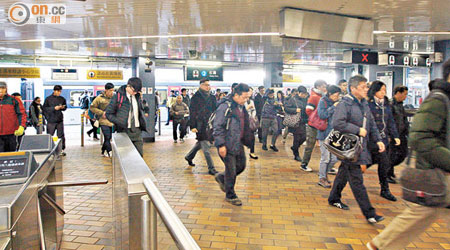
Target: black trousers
[
  {"x": 352, "y": 173},
  {"x": 8, "y": 143},
  {"x": 299, "y": 137},
  {"x": 107, "y": 134},
  {"x": 182, "y": 123},
  {"x": 51, "y": 127},
  {"x": 168, "y": 115},
  {"x": 93, "y": 129},
  {"x": 259, "y": 129},
  {"x": 234, "y": 166},
  {"x": 384, "y": 165}
]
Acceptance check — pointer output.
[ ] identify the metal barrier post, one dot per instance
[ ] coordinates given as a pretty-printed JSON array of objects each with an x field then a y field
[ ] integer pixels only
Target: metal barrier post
[
  {"x": 159, "y": 122},
  {"x": 82, "y": 129},
  {"x": 40, "y": 124},
  {"x": 153, "y": 227},
  {"x": 149, "y": 225}
]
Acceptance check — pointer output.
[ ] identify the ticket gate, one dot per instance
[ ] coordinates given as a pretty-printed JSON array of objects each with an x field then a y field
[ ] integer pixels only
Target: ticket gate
[{"x": 31, "y": 197}]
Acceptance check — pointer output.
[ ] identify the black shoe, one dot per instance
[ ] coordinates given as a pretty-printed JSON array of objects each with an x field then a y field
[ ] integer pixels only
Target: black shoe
[
  {"x": 387, "y": 195},
  {"x": 375, "y": 219},
  {"x": 189, "y": 162},
  {"x": 89, "y": 133},
  {"x": 391, "y": 180},
  {"x": 235, "y": 201},
  {"x": 297, "y": 158},
  {"x": 274, "y": 148},
  {"x": 264, "y": 147},
  {"x": 339, "y": 205},
  {"x": 260, "y": 141},
  {"x": 221, "y": 184},
  {"x": 212, "y": 171},
  {"x": 253, "y": 156}
]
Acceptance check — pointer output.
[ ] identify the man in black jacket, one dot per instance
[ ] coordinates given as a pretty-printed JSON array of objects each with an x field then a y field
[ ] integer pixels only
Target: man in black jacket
[
  {"x": 203, "y": 104},
  {"x": 231, "y": 133},
  {"x": 54, "y": 106},
  {"x": 126, "y": 111},
  {"x": 259, "y": 104}
]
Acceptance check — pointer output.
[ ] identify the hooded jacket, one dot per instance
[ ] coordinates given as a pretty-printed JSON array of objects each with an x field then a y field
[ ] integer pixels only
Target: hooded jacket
[
  {"x": 348, "y": 117},
  {"x": 313, "y": 101},
  {"x": 119, "y": 108},
  {"x": 98, "y": 107},
  {"x": 325, "y": 110},
  {"x": 429, "y": 134}
]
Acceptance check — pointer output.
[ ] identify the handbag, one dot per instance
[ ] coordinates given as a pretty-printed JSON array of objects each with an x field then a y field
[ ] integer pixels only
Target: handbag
[
  {"x": 315, "y": 121},
  {"x": 292, "y": 120},
  {"x": 253, "y": 123},
  {"x": 345, "y": 146},
  {"x": 427, "y": 187}
]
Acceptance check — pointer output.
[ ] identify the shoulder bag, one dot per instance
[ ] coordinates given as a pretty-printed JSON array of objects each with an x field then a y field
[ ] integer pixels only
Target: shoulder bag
[
  {"x": 427, "y": 187},
  {"x": 292, "y": 120},
  {"x": 315, "y": 121},
  {"x": 345, "y": 146}
]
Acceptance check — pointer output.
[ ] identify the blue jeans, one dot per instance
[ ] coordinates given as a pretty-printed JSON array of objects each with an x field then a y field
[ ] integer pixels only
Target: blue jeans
[{"x": 327, "y": 160}]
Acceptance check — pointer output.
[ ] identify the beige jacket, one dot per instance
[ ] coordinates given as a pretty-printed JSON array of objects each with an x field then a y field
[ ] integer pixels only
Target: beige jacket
[{"x": 98, "y": 107}]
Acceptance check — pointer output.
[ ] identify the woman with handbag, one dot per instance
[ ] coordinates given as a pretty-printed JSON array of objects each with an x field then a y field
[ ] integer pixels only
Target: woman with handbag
[
  {"x": 253, "y": 122},
  {"x": 325, "y": 111},
  {"x": 269, "y": 121},
  {"x": 295, "y": 109},
  {"x": 430, "y": 138},
  {"x": 381, "y": 111}
]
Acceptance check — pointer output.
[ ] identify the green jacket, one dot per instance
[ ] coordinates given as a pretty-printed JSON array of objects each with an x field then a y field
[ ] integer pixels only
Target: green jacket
[
  {"x": 428, "y": 135},
  {"x": 98, "y": 107}
]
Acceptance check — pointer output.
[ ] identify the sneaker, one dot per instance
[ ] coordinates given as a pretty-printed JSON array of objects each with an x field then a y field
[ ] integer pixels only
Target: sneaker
[
  {"x": 235, "y": 201},
  {"x": 174, "y": 141},
  {"x": 212, "y": 171},
  {"x": 375, "y": 219},
  {"x": 305, "y": 168},
  {"x": 323, "y": 182},
  {"x": 332, "y": 171},
  {"x": 189, "y": 162},
  {"x": 221, "y": 184},
  {"x": 181, "y": 140},
  {"x": 297, "y": 158},
  {"x": 274, "y": 148},
  {"x": 371, "y": 246},
  {"x": 339, "y": 205},
  {"x": 96, "y": 139},
  {"x": 387, "y": 195},
  {"x": 264, "y": 147},
  {"x": 253, "y": 156}
]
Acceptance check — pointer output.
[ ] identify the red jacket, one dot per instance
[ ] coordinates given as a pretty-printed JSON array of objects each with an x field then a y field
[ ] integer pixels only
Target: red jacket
[
  {"x": 12, "y": 114},
  {"x": 313, "y": 102}
]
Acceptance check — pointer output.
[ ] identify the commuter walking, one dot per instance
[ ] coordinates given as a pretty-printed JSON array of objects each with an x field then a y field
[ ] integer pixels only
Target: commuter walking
[
  {"x": 280, "y": 113},
  {"x": 170, "y": 101},
  {"x": 431, "y": 142},
  {"x": 344, "y": 86},
  {"x": 296, "y": 104},
  {"x": 269, "y": 121},
  {"x": 203, "y": 104},
  {"x": 54, "y": 105},
  {"x": 251, "y": 110},
  {"x": 98, "y": 107},
  {"x": 179, "y": 112},
  {"x": 186, "y": 98},
  {"x": 325, "y": 111},
  {"x": 381, "y": 111},
  {"x": 349, "y": 117},
  {"x": 13, "y": 121},
  {"x": 230, "y": 142},
  {"x": 92, "y": 119},
  {"x": 126, "y": 112},
  {"x": 320, "y": 89},
  {"x": 36, "y": 116},
  {"x": 259, "y": 103},
  {"x": 398, "y": 153}
]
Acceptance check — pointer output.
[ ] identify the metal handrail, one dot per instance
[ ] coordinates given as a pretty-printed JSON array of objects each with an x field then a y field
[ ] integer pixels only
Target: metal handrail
[{"x": 183, "y": 239}]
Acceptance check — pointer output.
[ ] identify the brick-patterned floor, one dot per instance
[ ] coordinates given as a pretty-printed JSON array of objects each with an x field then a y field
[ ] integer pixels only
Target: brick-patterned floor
[{"x": 283, "y": 206}]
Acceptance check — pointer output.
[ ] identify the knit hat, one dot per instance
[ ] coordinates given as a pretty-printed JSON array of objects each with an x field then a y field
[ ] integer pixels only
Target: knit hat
[{"x": 3, "y": 85}]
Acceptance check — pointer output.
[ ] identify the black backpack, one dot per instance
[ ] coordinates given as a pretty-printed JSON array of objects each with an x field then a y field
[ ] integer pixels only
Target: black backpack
[
  {"x": 84, "y": 103},
  {"x": 210, "y": 126}
]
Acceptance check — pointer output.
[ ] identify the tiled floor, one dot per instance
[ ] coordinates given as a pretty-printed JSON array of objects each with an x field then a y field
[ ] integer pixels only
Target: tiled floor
[{"x": 283, "y": 206}]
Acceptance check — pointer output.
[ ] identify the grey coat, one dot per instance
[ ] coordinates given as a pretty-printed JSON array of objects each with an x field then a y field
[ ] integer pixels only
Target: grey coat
[{"x": 348, "y": 118}]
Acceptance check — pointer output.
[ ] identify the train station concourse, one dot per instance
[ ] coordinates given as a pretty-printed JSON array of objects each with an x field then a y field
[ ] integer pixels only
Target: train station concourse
[{"x": 224, "y": 124}]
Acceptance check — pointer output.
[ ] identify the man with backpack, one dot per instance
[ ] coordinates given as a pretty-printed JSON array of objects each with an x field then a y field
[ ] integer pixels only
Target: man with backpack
[
  {"x": 430, "y": 139},
  {"x": 203, "y": 104},
  {"x": 13, "y": 120},
  {"x": 126, "y": 111},
  {"x": 231, "y": 132}
]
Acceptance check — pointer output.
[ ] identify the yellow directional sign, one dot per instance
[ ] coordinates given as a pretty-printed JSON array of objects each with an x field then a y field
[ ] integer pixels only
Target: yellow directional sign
[
  {"x": 104, "y": 74},
  {"x": 20, "y": 72},
  {"x": 292, "y": 78}
]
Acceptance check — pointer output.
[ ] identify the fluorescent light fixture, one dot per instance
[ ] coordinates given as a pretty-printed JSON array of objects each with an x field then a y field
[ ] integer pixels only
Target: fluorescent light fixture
[
  {"x": 143, "y": 37},
  {"x": 63, "y": 59},
  {"x": 203, "y": 63},
  {"x": 382, "y": 32}
]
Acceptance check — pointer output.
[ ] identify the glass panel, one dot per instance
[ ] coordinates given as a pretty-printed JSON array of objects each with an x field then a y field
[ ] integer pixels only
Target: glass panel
[{"x": 417, "y": 82}]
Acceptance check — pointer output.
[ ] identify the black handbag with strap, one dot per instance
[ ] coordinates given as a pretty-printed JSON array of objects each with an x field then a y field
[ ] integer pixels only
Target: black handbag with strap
[{"x": 427, "y": 187}]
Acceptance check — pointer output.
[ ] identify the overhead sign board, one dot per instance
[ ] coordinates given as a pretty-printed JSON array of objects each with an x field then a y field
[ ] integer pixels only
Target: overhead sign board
[
  {"x": 404, "y": 59},
  {"x": 64, "y": 74},
  {"x": 192, "y": 73},
  {"x": 360, "y": 57},
  {"x": 104, "y": 74},
  {"x": 20, "y": 73}
]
